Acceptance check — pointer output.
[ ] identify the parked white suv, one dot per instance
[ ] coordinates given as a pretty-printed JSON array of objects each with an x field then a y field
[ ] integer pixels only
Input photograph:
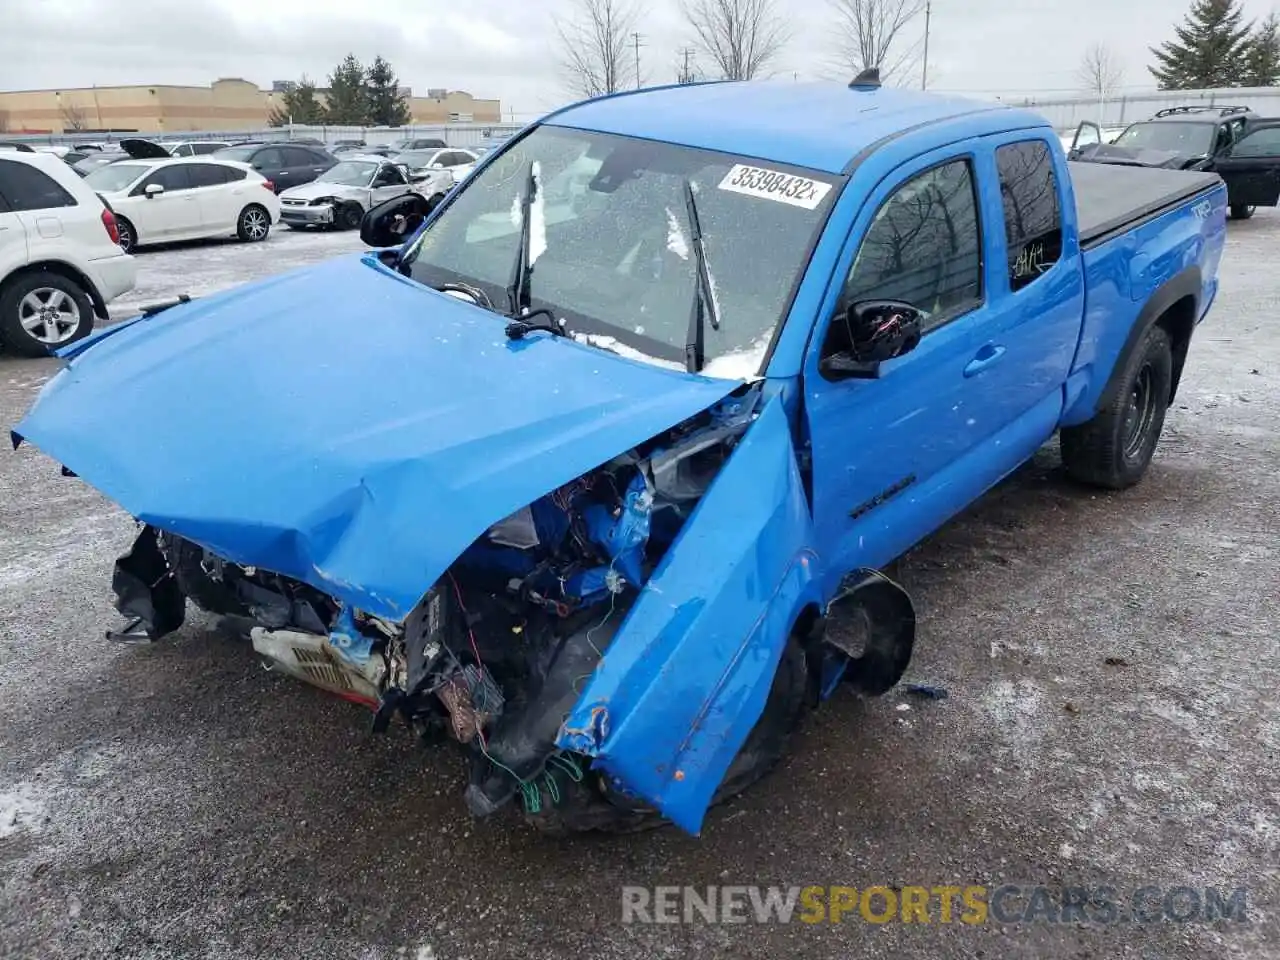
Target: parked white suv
[
  {"x": 60, "y": 259},
  {"x": 159, "y": 201}
]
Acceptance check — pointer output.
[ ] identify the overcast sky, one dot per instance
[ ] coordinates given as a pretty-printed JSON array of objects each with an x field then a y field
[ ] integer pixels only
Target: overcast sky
[{"x": 505, "y": 49}]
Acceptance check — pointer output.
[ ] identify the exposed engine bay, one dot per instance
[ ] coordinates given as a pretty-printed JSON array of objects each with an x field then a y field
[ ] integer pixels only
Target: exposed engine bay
[{"x": 498, "y": 650}]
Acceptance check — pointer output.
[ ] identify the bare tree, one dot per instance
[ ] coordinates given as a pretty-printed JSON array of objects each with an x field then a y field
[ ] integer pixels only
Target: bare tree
[
  {"x": 1100, "y": 72},
  {"x": 73, "y": 116},
  {"x": 742, "y": 37},
  {"x": 595, "y": 41},
  {"x": 870, "y": 33}
]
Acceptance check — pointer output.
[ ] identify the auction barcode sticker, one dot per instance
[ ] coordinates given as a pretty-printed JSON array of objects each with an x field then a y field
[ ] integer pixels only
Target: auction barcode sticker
[{"x": 775, "y": 185}]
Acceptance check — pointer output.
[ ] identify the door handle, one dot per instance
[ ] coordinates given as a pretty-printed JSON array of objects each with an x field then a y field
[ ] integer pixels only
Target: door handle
[{"x": 988, "y": 356}]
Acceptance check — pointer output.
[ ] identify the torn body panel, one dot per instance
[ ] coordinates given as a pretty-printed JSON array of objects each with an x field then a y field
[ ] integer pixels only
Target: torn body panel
[
  {"x": 373, "y": 468},
  {"x": 687, "y": 676}
]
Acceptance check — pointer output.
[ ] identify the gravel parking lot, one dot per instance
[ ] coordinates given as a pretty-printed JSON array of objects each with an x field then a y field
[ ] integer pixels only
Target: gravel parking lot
[{"x": 1113, "y": 719}]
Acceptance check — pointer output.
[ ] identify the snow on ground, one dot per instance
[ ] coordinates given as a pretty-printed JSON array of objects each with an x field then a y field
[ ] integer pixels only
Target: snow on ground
[{"x": 204, "y": 267}]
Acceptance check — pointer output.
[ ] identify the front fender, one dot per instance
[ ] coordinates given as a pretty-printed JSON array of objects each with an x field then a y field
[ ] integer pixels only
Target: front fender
[{"x": 687, "y": 676}]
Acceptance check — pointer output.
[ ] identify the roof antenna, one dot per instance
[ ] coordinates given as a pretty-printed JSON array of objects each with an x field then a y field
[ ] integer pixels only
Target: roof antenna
[{"x": 868, "y": 79}]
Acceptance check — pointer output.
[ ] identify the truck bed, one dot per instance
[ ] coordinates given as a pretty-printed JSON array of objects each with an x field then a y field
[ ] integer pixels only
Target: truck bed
[{"x": 1112, "y": 198}]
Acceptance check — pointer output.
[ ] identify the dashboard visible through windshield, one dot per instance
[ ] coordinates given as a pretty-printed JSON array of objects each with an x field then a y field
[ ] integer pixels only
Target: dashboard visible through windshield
[{"x": 612, "y": 248}]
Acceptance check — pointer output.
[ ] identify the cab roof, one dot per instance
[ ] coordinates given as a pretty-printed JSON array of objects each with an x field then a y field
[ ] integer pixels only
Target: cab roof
[{"x": 823, "y": 126}]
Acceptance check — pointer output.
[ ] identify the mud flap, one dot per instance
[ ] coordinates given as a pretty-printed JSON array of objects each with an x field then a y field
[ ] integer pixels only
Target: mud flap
[
  {"x": 146, "y": 591},
  {"x": 687, "y": 675}
]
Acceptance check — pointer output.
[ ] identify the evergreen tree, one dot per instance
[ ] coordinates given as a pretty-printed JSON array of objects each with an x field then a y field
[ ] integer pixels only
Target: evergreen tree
[
  {"x": 348, "y": 98},
  {"x": 1211, "y": 48},
  {"x": 387, "y": 106},
  {"x": 1263, "y": 68},
  {"x": 298, "y": 105}
]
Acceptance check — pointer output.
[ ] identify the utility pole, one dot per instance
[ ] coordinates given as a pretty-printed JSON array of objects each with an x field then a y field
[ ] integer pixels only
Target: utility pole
[
  {"x": 636, "y": 38},
  {"x": 686, "y": 74},
  {"x": 924, "y": 70}
]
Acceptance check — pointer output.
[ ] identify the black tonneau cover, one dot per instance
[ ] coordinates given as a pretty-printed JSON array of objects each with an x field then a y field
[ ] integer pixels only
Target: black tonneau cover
[{"x": 1111, "y": 198}]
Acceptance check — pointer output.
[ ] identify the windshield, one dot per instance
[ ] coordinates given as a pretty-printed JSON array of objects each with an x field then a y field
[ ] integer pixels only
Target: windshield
[
  {"x": 610, "y": 242},
  {"x": 116, "y": 176},
  {"x": 350, "y": 173},
  {"x": 243, "y": 154},
  {"x": 1184, "y": 139}
]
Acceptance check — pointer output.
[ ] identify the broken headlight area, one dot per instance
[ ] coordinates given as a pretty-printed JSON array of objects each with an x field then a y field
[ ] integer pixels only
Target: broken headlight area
[{"x": 498, "y": 650}]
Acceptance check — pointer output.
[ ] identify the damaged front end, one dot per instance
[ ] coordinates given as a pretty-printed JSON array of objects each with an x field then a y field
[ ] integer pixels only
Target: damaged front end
[{"x": 499, "y": 650}]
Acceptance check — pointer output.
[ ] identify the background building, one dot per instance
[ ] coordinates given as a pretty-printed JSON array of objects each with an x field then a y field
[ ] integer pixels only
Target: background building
[{"x": 227, "y": 104}]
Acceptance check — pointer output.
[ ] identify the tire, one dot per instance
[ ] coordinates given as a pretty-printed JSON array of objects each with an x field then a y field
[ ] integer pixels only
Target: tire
[
  {"x": 128, "y": 235},
  {"x": 1114, "y": 449},
  {"x": 349, "y": 216},
  {"x": 254, "y": 224},
  {"x": 585, "y": 805},
  {"x": 42, "y": 311},
  {"x": 1242, "y": 211}
]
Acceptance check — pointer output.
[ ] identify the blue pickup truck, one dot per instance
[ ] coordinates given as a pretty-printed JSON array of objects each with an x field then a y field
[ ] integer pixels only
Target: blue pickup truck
[{"x": 597, "y": 472}]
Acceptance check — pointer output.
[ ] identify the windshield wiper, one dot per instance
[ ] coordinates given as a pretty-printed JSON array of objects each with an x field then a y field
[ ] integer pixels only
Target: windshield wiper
[
  {"x": 518, "y": 296},
  {"x": 703, "y": 308}
]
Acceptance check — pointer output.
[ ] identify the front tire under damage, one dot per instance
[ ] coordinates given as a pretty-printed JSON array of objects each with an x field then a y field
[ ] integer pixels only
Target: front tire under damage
[
  {"x": 589, "y": 806},
  {"x": 147, "y": 593}
]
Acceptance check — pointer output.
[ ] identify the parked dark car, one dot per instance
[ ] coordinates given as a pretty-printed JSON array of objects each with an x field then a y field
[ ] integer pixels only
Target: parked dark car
[
  {"x": 1232, "y": 141},
  {"x": 284, "y": 164}
]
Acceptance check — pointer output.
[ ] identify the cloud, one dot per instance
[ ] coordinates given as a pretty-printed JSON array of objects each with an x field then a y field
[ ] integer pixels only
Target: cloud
[{"x": 503, "y": 49}]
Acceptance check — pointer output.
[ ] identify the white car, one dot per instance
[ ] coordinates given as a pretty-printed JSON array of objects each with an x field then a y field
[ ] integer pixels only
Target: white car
[
  {"x": 457, "y": 161},
  {"x": 159, "y": 201},
  {"x": 195, "y": 148},
  {"x": 341, "y": 195},
  {"x": 60, "y": 258}
]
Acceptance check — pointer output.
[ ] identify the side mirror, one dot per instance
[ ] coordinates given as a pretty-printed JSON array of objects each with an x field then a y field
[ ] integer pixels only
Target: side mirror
[
  {"x": 871, "y": 332},
  {"x": 393, "y": 221},
  {"x": 153, "y": 190},
  {"x": 437, "y": 166}
]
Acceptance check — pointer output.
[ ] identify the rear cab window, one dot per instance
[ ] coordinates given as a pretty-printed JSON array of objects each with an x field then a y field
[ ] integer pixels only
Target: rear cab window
[
  {"x": 26, "y": 188},
  {"x": 1032, "y": 210}
]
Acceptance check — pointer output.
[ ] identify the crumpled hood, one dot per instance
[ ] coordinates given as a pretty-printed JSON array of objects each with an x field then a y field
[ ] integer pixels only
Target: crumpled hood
[
  {"x": 317, "y": 189},
  {"x": 1109, "y": 153},
  {"x": 343, "y": 425}
]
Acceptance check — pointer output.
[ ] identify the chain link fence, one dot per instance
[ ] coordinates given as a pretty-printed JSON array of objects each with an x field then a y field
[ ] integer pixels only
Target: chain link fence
[{"x": 453, "y": 134}]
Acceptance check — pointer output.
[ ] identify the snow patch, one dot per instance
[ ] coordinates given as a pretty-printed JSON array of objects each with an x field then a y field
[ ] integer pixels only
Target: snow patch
[
  {"x": 21, "y": 808},
  {"x": 739, "y": 365},
  {"x": 676, "y": 241},
  {"x": 613, "y": 345},
  {"x": 537, "y": 218}
]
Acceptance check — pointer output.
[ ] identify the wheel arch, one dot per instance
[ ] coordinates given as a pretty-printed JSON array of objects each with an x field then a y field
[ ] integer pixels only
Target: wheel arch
[
  {"x": 67, "y": 272},
  {"x": 1174, "y": 306}
]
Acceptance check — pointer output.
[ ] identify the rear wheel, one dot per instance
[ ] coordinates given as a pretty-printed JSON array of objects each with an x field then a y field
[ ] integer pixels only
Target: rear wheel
[
  {"x": 128, "y": 235},
  {"x": 1114, "y": 449},
  {"x": 254, "y": 224},
  {"x": 584, "y": 804},
  {"x": 42, "y": 311},
  {"x": 1242, "y": 211}
]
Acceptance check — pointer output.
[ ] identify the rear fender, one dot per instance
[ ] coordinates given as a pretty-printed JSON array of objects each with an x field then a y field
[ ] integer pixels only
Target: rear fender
[{"x": 687, "y": 676}]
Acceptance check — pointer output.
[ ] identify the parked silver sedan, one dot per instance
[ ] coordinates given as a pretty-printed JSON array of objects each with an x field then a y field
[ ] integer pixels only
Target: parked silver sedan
[{"x": 340, "y": 196}]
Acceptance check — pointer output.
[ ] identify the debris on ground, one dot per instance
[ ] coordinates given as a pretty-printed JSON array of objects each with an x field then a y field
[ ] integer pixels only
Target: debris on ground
[
  {"x": 1116, "y": 662},
  {"x": 925, "y": 691}
]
